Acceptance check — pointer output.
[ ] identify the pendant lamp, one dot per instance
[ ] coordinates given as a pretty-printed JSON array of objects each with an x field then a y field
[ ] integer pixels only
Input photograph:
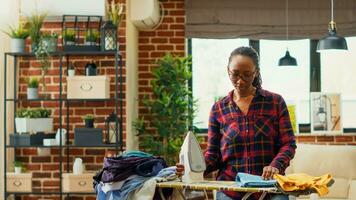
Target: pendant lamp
[
  {"x": 287, "y": 60},
  {"x": 332, "y": 41}
]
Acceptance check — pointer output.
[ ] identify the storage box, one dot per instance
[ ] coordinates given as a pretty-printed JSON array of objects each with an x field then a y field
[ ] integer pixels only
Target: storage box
[
  {"x": 78, "y": 183},
  {"x": 88, "y": 87},
  {"x": 88, "y": 136},
  {"x": 32, "y": 125},
  {"x": 19, "y": 182},
  {"x": 29, "y": 140}
]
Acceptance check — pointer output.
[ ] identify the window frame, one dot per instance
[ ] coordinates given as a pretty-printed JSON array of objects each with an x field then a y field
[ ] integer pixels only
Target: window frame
[{"x": 314, "y": 78}]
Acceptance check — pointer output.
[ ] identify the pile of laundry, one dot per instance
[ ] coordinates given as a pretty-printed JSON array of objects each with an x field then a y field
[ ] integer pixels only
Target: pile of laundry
[
  {"x": 293, "y": 184},
  {"x": 132, "y": 175}
]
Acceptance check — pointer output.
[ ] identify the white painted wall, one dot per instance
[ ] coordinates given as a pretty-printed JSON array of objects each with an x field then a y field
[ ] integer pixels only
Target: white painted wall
[
  {"x": 58, "y": 8},
  {"x": 131, "y": 80}
]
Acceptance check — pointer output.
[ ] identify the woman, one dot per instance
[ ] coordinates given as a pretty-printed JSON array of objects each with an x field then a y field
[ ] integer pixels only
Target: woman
[{"x": 249, "y": 129}]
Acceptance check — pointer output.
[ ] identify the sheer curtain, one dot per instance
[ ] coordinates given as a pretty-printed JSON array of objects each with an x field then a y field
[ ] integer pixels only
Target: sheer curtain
[{"x": 9, "y": 15}]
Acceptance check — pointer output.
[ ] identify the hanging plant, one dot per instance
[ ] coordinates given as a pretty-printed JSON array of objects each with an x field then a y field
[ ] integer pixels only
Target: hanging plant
[
  {"x": 35, "y": 22},
  {"x": 42, "y": 55}
]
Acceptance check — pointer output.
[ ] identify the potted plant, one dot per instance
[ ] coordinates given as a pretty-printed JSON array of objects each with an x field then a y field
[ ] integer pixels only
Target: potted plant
[
  {"x": 68, "y": 37},
  {"x": 49, "y": 41},
  {"x": 171, "y": 109},
  {"x": 18, "y": 36},
  {"x": 89, "y": 120},
  {"x": 18, "y": 166},
  {"x": 91, "y": 37},
  {"x": 32, "y": 88},
  {"x": 33, "y": 120},
  {"x": 115, "y": 12},
  {"x": 35, "y": 22}
]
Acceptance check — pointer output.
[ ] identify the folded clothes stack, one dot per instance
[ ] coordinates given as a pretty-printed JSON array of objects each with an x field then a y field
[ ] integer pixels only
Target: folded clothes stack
[
  {"x": 249, "y": 180},
  {"x": 127, "y": 176},
  {"x": 294, "y": 184}
]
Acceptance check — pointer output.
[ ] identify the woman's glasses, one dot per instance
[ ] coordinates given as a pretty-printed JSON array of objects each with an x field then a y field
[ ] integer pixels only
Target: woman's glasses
[{"x": 245, "y": 76}]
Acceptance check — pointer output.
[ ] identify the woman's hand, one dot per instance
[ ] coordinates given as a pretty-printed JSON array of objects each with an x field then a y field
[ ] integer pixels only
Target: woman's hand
[
  {"x": 179, "y": 169},
  {"x": 268, "y": 172}
]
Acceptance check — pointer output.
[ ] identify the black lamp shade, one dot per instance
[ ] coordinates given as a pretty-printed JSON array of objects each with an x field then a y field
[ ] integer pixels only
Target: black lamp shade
[
  {"x": 287, "y": 60},
  {"x": 332, "y": 42}
]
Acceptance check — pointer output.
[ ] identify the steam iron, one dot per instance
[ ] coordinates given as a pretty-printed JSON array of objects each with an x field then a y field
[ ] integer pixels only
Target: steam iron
[{"x": 192, "y": 158}]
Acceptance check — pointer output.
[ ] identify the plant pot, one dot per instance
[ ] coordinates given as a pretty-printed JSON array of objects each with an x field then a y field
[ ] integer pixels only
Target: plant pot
[
  {"x": 32, "y": 93},
  {"x": 71, "y": 72},
  {"x": 89, "y": 123},
  {"x": 30, "y": 125},
  {"x": 50, "y": 44},
  {"x": 18, "y": 170},
  {"x": 17, "y": 45},
  {"x": 90, "y": 43},
  {"x": 69, "y": 43},
  {"x": 34, "y": 46}
]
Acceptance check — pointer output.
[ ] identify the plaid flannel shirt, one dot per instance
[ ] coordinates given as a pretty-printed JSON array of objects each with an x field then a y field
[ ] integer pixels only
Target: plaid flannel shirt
[{"x": 248, "y": 143}]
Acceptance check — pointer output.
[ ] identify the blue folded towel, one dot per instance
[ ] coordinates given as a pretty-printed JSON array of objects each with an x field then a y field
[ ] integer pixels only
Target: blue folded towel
[
  {"x": 249, "y": 180},
  {"x": 136, "y": 154}
]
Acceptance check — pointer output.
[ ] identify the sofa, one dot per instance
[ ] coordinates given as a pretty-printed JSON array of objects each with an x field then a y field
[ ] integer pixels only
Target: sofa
[{"x": 338, "y": 160}]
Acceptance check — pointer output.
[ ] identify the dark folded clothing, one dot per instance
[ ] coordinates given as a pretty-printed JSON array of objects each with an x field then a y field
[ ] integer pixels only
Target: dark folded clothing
[
  {"x": 120, "y": 168},
  {"x": 151, "y": 167}
]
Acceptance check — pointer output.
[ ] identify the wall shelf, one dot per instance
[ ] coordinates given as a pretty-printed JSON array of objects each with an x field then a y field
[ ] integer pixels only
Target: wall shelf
[{"x": 63, "y": 56}]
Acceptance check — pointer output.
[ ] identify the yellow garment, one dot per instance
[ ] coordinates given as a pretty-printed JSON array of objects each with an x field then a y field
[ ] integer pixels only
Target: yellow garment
[{"x": 301, "y": 181}]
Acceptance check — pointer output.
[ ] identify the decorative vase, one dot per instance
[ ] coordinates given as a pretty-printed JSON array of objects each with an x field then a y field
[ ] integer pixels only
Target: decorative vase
[
  {"x": 50, "y": 44},
  {"x": 71, "y": 72},
  {"x": 90, "y": 69},
  {"x": 32, "y": 93},
  {"x": 61, "y": 135},
  {"x": 34, "y": 46},
  {"x": 17, "y": 45},
  {"x": 78, "y": 166}
]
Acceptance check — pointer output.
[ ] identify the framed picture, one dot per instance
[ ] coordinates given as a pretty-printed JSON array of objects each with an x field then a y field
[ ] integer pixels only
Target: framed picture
[{"x": 325, "y": 110}]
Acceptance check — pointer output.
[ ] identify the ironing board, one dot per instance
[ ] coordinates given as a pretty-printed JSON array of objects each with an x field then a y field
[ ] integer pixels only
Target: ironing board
[{"x": 215, "y": 185}]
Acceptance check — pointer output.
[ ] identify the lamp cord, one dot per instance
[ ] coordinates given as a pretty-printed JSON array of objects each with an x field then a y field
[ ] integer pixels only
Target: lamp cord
[
  {"x": 332, "y": 10},
  {"x": 287, "y": 33}
]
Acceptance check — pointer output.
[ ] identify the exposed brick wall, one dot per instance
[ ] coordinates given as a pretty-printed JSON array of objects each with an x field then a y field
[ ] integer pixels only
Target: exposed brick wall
[
  {"x": 168, "y": 37},
  {"x": 45, "y": 169},
  {"x": 346, "y": 139}
]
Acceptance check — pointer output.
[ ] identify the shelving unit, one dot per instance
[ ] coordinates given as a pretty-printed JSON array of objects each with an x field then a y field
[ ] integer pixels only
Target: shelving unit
[{"x": 118, "y": 110}]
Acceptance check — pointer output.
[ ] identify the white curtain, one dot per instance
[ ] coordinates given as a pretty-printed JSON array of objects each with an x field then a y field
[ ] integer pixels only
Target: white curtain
[{"x": 9, "y": 15}]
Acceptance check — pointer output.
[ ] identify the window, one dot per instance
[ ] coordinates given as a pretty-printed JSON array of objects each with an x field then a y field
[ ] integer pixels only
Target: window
[
  {"x": 292, "y": 82},
  {"x": 338, "y": 70},
  {"x": 210, "y": 80}
]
